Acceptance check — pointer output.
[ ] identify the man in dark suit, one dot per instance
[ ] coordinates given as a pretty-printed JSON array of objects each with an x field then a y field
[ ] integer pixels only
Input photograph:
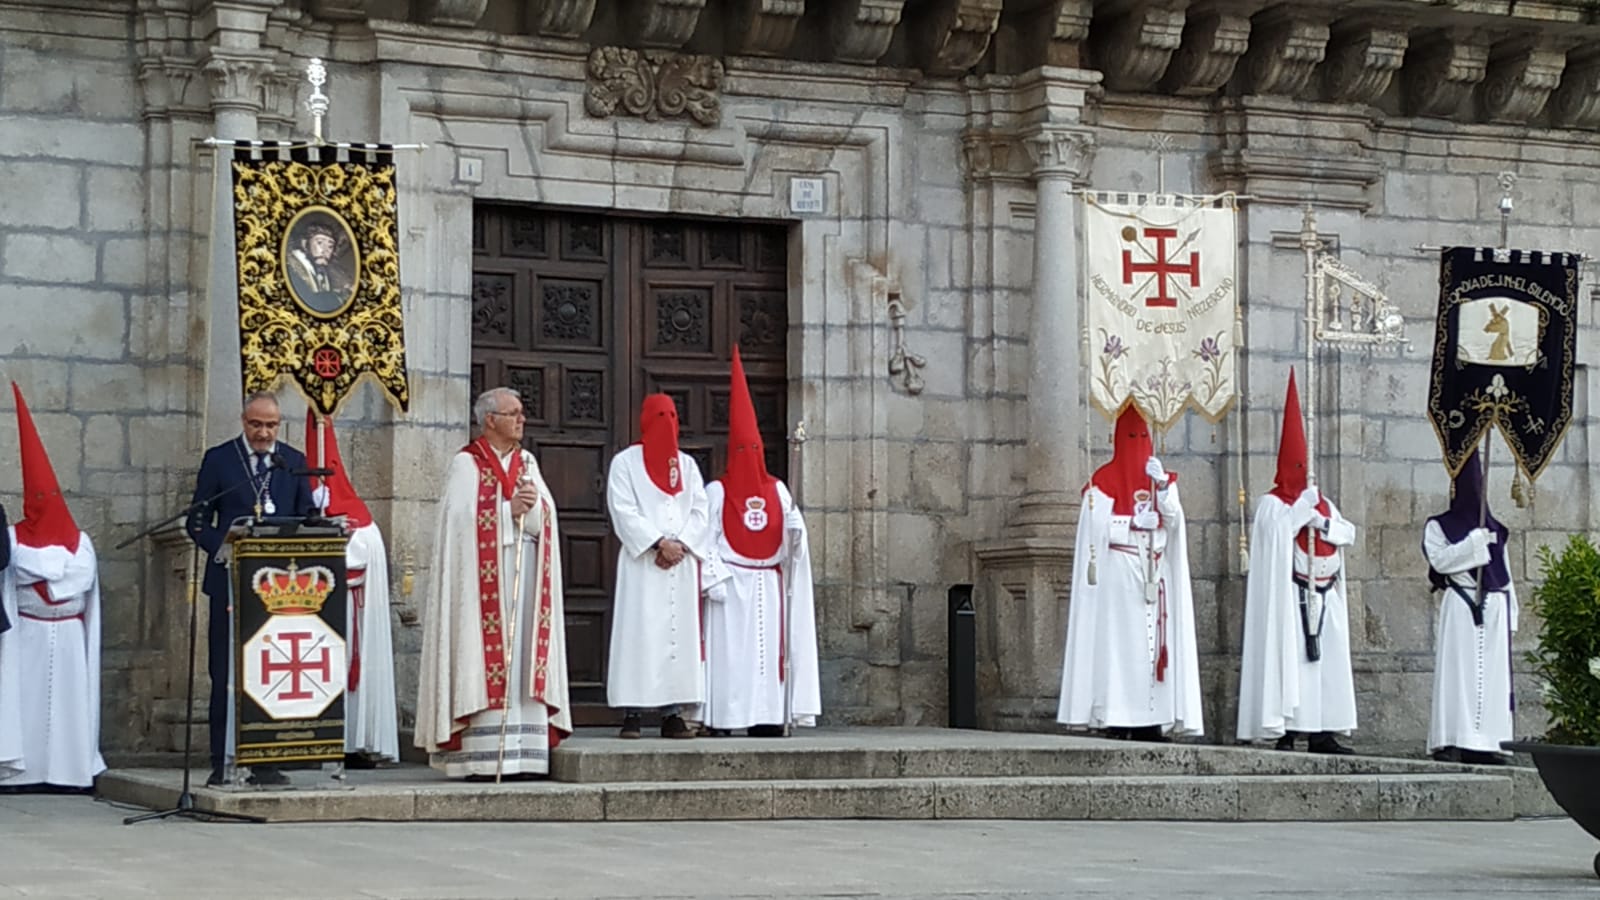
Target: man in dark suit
[{"x": 254, "y": 468}]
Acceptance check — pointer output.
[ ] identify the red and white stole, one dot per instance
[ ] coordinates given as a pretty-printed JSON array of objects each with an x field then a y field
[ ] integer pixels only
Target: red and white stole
[{"x": 495, "y": 484}]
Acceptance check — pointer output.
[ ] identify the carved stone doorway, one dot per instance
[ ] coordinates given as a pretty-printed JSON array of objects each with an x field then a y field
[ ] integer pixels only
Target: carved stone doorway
[{"x": 584, "y": 314}]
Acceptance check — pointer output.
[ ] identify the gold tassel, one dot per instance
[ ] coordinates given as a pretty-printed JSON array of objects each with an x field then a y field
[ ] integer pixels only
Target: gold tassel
[
  {"x": 1244, "y": 539},
  {"x": 1519, "y": 493}
]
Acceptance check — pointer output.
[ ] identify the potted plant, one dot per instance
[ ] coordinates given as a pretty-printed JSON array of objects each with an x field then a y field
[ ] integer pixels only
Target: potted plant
[{"x": 1568, "y": 663}]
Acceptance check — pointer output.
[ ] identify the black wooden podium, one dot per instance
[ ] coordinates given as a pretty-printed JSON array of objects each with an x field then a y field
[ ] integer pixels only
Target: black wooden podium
[{"x": 289, "y": 665}]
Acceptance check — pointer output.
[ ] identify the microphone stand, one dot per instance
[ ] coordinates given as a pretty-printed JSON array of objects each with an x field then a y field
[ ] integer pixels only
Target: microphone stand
[{"x": 185, "y": 807}]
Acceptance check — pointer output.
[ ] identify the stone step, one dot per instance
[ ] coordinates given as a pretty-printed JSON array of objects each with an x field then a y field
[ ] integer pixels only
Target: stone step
[
  {"x": 940, "y": 754},
  {"x": 1229, "y": 798}
]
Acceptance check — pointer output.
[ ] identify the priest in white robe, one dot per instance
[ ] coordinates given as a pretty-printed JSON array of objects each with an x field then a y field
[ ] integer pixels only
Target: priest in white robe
[
  {"x": 371, "y": 726},
  {"x": 757, "y": 582},
  {"x": 488, "y": 708},
  {"x": 50, "y": 657},
  {"x": 657, "y": 500},
  {"x": 1466, "y": 545},
  {"x": 1295, "y": 677},
  {"x": 1131, "y": 666}
]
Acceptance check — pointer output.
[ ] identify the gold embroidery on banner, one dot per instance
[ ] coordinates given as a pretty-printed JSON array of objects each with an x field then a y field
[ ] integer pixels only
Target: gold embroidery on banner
[{"x": 324, "y": 349}]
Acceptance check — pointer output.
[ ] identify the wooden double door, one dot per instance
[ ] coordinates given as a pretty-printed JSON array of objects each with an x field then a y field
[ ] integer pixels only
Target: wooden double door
[{"x": 583, "y": 315}]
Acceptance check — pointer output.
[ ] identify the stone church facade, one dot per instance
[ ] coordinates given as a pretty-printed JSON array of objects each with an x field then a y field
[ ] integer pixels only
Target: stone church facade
[{"x": 921, "y": 309}]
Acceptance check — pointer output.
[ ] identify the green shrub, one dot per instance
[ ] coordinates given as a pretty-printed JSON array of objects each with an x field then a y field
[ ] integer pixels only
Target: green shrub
[{"x": 1568, "y": 657}]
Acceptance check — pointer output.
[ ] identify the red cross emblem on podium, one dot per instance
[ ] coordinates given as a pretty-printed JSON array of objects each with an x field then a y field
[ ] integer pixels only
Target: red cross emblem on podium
[
  {"x": 294, "y": 667},
  {"x": 1162, "y": 267}
]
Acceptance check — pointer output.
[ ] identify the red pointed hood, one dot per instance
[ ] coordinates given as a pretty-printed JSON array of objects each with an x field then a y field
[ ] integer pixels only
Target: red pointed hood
[
  {"x": 1292, "y": 478},
  {"x": 342, "y": 497},
  {"x": 658, "y": 434},
  {"x": 752, "y": 515},
  {"x": 46, "y": 521},
  {"x": 1124, "y": 474}
]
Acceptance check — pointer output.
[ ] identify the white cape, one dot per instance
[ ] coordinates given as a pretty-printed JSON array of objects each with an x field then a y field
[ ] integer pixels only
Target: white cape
[
  {"x": 655, "y": 657},
  {"x": 1279, "y": 688},
  {"x": 744, "y": 626},
  {"x": 1108, "y": 677},
  {"x": 371, "y": 723},
  {"x": 50, "y": 668},
  {"x": 453, "y": 697},
  {"x": 1472, "y": 665}
]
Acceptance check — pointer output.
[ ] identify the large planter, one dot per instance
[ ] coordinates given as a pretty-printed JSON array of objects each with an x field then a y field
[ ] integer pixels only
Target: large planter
[{"x": 1572, "y": 776}]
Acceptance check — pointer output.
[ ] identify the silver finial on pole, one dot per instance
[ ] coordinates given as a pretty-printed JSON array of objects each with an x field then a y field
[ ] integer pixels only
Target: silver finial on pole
[
  {"x": 1508, "y": 181},
  {"x": 1162, "y": 145},
  {"x": 317, "y": 103}
]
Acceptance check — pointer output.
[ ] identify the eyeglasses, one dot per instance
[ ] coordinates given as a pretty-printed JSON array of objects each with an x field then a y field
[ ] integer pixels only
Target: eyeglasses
[
  {"x": 513, "y": 414},
  {"x": 259, "y": 424}
]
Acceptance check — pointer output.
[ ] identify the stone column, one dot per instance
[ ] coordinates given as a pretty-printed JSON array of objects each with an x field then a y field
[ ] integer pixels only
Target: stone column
[
  {"x": 1055, "y": 405},
  {"x": 236, "y": 65},
  {"x": 1027, "y": 573}
]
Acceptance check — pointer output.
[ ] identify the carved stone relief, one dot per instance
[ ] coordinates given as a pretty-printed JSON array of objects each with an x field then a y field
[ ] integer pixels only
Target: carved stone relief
[
  {"x": 236, "y": 80},
  {"x": 763, "y": 27},
  {"x": 1521, "y": 74},
  {"x": 1213, "y": 42},
  {"x": 861, "y": 29},
  {"x": 661, "y": 23},
  {"x": 1285, "y": 47},
  {"x": 1441, "y": 70},
  {"x": 654, "y": 85},
  {"x": 1362, "y": 59},
  {"x": 451, "y": 13},
  {"x": 1136, "y": 45}
]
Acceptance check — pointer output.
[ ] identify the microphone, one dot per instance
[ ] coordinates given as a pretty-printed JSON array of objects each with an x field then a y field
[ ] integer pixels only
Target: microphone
[
  {"x": 277, "y": 461},
  {"x": 312, "y": 473}
]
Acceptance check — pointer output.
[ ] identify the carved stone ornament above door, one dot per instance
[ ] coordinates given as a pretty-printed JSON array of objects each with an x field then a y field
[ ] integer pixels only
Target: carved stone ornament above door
[{"x": 654, "y": 84}]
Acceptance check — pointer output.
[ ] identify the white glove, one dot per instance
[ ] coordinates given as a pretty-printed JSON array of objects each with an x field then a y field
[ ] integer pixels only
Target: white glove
[
  {"x": 1486, "y": 535},
  {"x": 1308, "y": 499},
  {"x": 1146, "y": 520},
  {"x": 319, "y": 497},
  {"x": 1154, "y": 469},
  {"x": 1319, "y": 522}
]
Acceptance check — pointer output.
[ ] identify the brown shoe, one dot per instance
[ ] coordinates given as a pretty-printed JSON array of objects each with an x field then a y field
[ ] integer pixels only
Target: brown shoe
[
  {"x": 630, "y": 727},
  {"x": 676, "y": 727}
]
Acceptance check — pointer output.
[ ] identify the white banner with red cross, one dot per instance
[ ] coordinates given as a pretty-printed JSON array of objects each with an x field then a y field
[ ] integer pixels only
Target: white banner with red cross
[{"x": 1162, "y": 303}]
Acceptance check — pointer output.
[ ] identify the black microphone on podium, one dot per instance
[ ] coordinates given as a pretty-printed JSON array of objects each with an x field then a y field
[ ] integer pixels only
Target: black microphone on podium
[{"x": 278, "y": 461}]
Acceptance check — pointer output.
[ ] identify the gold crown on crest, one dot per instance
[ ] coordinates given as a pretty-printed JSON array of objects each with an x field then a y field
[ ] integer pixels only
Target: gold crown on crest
[{"x": 294, "y": 591}]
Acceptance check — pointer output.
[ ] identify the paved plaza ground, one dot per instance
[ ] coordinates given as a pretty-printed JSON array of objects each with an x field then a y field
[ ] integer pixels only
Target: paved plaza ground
[{"x": 76, "y": 847}]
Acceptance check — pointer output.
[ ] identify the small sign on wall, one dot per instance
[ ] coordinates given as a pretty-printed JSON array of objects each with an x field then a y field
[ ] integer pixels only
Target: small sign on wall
[{"x": 807, "y": 196}]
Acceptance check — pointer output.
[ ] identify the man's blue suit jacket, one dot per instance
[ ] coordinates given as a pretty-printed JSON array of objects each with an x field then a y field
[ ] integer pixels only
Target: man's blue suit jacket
[{"x": 225, "y": 471}]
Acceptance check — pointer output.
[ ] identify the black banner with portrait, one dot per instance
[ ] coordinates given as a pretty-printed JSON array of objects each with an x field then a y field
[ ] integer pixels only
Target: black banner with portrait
[
  {"x": 317, "y": 237},
  {"x": 290, "y": 662},
  {"x": 1503, "y": 352}
]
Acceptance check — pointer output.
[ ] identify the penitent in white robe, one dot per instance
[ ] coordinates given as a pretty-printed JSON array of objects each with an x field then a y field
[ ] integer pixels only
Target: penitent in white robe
[
  {"x": 1472, "y": 665},
  {"x": 370, "y": 717},
  {"x": 1114, "y": 636},
  {"x": 745, "y": 643},
  {"x": 50, "y": 667},
  {"x": 1279, "y": 688},
  {"x": 655, "y": 657},
  {"x": 452, "y": 696}
]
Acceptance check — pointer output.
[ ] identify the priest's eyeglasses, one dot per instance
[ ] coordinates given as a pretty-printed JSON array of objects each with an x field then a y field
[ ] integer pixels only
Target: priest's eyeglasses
[
  {"x": 261, "y": 424},
  {"x": 514, "y": 413}
]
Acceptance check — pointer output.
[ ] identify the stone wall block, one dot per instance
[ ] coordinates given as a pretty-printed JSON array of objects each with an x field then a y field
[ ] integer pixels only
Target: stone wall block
[
  {"x": 99, "y": 322},
  {"x": 37, "y": 194},
  {"x": 49, "y": 257},
  {"x": 105, "y": 443}
]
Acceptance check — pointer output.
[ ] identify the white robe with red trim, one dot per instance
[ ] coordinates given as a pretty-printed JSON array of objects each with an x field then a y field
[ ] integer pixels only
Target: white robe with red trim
[
  {"x": 745, "y": 643},
  {"x": 50, "y": 667},
  {"x": 453, "y": 699},
  {"x": 1114, "y": 636},
  {"x": 1280, "y": 689},
  {"x": 655, "y": 623},
  {"x": 370, "y": 719}
]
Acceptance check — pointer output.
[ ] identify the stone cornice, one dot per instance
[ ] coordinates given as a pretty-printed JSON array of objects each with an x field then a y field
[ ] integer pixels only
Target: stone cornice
[
  {"x": 860, "y": 30},
  {"x": 762, "y": 27},
  {"x": 666, "y": 24},
  {"x": 1286, "y": 46},
  {"x": 1442, "y": 69},
  {"x": 560, "y": 18},
  {"x": 1576, "y": 103},
  {"x": 1215, "y": 36},
  {"x": 1361, "y": 60},
  {"x": 1133, "y": 41},
  {"x": 950, "y": 36}
]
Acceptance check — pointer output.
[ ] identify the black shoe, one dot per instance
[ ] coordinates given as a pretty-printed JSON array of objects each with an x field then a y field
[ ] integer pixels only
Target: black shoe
[
  {"x": 1117, "y": 734},
  {"x": 1482, "y": 758},
  {"x": 1286, "y": 742},
  {"x": 765, "y": 731},
  {"x": 1323, "y": 742},
  {"x": 1149, "y": 734},
  {"x": 359, "y": 761},
  {"x": 266, "y": 776},
  {"x": 675, "y": 727},
  {"x": 1447, "y": 755},
  {"x": 216, "y": 779},
  {"x": 631, "y": 729}
]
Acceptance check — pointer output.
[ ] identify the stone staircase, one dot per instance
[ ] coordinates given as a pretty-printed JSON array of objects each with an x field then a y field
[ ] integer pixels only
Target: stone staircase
[{"x": 892, "y": 773}]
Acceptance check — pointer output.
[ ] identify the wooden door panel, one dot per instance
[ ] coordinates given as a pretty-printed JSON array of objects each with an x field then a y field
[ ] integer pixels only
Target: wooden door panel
[{"x": 585, "y": 314}]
